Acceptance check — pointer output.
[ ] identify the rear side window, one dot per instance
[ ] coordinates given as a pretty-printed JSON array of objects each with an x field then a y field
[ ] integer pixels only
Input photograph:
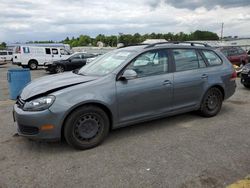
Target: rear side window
[
  {"x": 47, "y": 50},
  {"x": 10, "y": 53},
  {"x": 186, "y": 59},
  {"x": 241, "y": 51},
  {"x": 212, "y": 58}
]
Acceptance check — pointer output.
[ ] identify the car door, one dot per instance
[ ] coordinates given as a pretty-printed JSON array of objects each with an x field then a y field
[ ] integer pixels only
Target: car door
[
  {"x": 48, "y": 55},
  {"x": 151, "y": 92},
  {"x": 76, "y": 61},
  {"x": 190, "y": 78},
  {"x": 55, "y": 54}
]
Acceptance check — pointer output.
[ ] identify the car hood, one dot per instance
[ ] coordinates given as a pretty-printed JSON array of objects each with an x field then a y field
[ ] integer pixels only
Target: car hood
[{"x": 53, "y": 83}]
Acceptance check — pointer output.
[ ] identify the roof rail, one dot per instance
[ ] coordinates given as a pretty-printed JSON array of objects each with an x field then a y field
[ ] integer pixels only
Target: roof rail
[
  {"x": 137, "y": 44},
  {"x": 178, "y": 42}
]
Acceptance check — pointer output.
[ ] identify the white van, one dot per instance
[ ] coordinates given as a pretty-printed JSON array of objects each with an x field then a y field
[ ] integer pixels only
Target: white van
[
  {"x": 5, "y": 55},
  {"x": 29, "y": 56}
]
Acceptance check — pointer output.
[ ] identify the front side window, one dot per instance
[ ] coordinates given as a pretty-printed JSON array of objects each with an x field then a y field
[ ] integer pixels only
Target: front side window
[
  {"x": 212, "y": 58},
  {"x": 150, "y": 63},
  {"x": 232, "y": 52},
  {"x": 54, "y": 51},
  {"x": 186, "y": 59},
  {"x": 10, "y": 53},
  {"x": 26, "y": 50},
  {"x": 63, "y": 52},
  {"x": 77, "y": 56}
]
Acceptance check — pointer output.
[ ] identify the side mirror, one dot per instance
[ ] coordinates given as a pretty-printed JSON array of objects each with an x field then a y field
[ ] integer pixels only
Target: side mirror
[{"x": 129, "y": 74}]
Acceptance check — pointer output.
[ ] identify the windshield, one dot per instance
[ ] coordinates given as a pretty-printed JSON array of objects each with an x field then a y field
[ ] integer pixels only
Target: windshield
[{"x": 106, "y": 63}]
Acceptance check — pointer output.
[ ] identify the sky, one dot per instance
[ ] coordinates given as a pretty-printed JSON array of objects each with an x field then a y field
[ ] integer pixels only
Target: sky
[{"x": 29, "y": 20}]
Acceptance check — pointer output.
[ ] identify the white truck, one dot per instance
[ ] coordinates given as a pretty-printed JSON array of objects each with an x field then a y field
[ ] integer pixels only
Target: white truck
[
  {"x": 32, "y": 56},
  {"x": 5, "y": 55}
]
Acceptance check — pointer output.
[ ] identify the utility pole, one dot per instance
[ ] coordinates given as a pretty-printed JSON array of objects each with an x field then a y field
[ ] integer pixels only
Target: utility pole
[{"x": 222, "y": 28}]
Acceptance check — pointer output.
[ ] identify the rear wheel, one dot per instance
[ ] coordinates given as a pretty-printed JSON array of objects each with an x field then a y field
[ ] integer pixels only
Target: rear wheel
[
  {"x": 59, "y": 69},
  {"x": 33, "y": 64},
  {"x": 247, "y": 86},
  {"x": 212, "y": 102},
  {"x": 86, "y": 127}
]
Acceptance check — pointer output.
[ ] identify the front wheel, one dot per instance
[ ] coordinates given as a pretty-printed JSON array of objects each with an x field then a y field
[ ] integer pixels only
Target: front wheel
[
  {"x": 59, "y": 69},
  {"x": 86, "y": 127},
  {"x": 211, "y": 103},
  {"x": 33, "y": 65}
]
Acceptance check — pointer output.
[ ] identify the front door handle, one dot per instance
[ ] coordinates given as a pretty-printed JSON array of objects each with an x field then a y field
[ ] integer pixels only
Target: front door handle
[
  {"x": 167, "y": 82},
  {"x": 204, "y": 76}
]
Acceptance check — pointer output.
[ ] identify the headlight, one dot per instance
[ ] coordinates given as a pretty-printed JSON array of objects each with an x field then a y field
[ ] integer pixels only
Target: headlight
[{"x": 39, "y": 104}]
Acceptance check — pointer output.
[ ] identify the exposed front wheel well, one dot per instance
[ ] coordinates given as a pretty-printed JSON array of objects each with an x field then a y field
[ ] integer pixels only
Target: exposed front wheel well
[
  {"x": 103, "y": 107},
  {"x": 33, "y": 61},
  {"x": 33, "y": 64}
]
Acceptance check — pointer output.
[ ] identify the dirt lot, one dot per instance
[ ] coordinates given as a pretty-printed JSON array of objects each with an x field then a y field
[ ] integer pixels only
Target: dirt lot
[{"x": 185, "y": 151}]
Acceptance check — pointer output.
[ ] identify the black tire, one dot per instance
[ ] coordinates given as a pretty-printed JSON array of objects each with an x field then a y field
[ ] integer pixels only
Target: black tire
[
  {"x": 86, "y": 127},
  {"x": 211, "y": 103},
  {"x": 33, "y": 64},
  {"x": 59, "y": 69},
  {"x": 247, "y": 86}
]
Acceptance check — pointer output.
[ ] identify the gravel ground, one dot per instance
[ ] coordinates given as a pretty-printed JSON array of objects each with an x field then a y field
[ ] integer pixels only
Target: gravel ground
[{"x": 184, "y": 151}]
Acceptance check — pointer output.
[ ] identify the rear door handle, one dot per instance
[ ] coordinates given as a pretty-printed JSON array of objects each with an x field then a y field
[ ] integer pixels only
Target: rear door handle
[
  {"x": 167, "y": 82},
  {"x": 204, "y": 76}
]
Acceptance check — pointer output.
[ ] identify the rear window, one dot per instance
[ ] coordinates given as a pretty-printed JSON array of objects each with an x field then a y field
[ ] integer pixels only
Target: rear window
[{"x": 212, "y": 58}]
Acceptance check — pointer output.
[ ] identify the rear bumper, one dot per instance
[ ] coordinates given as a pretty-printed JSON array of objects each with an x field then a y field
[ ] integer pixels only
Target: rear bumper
[{"x": 230, "y": 89}]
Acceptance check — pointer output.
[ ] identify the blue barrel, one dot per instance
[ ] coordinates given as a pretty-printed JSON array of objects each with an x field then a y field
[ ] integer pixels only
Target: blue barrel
[{"x": 17, "y": 80}]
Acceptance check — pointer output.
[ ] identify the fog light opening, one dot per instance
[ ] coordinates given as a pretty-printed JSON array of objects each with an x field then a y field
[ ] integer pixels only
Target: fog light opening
[{"x": 47, "y": 127}]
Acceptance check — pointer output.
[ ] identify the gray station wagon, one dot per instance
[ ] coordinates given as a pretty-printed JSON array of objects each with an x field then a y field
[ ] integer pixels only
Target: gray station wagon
[{"x": 126, "y": 86}]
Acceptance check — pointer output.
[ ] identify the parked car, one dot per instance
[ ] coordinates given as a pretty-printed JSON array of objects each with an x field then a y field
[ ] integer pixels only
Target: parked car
[
  {"x": 30, "y": 56},
  {"x": 245, "y": 76},
  {"x": 236, "y": 55},
  {"x": 123, "y": 87},
  {"x": 5, "y": 55},
  {"x": 75, "y": 61}
]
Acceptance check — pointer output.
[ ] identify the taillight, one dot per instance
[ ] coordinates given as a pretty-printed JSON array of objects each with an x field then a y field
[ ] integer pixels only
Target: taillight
[{"x": 233, "y": 76}]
